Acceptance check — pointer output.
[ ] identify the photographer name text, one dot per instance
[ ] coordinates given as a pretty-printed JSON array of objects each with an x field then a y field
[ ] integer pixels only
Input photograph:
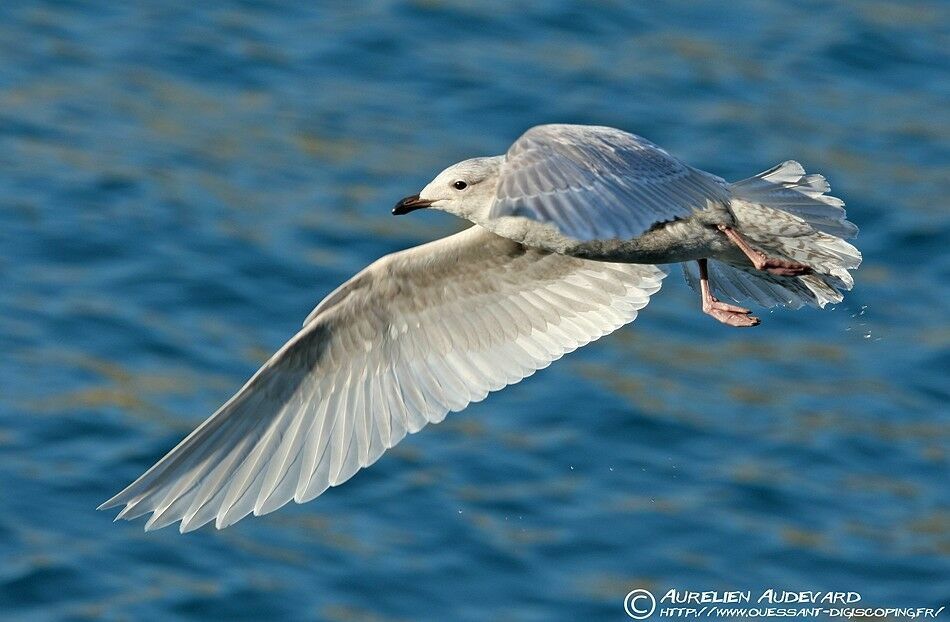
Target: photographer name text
[{"x": 682, "y": 597}]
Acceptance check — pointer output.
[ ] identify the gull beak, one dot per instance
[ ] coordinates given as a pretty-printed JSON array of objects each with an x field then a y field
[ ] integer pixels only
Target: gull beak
[{"x": 409, "y": 204}]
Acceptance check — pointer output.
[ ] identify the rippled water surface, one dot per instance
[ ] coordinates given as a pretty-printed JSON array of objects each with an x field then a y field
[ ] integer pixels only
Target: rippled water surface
[{"x": 181, "y": 182}]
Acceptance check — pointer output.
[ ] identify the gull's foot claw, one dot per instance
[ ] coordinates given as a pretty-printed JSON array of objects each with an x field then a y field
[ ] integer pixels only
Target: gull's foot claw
[
  {"x": 730, "y": 318},
  {"x": 731, "y": 315}
]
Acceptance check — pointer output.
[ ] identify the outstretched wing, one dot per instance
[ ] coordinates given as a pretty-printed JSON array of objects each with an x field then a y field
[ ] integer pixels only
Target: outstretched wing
[
  {"x": 415, "y": 335},
  {"x": 597, "y": 183}
]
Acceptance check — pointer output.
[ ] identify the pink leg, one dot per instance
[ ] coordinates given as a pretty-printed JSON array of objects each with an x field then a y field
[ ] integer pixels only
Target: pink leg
[
  {"x": 725, "y": 313},
  {"x": 761, "y": 261}
]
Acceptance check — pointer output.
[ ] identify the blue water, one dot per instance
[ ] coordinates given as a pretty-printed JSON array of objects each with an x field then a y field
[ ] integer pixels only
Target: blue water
[{"x": 181, "y": 182}]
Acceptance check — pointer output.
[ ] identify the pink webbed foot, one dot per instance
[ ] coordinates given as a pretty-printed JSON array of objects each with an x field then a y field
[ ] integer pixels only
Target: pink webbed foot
[{"x": 730, "y": 315}]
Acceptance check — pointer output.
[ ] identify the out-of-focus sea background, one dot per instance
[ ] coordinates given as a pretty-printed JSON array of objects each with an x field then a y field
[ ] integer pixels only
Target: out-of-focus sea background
[{"x": 181, "y": 182}]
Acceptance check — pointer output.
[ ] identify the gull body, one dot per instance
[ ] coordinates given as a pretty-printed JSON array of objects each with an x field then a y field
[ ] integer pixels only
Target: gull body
[
  {"x": 567, "y": 227},
  {"x": 603, "y": 194}
]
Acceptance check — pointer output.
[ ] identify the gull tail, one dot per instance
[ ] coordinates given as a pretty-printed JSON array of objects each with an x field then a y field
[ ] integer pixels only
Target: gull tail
[{"x": 785, "y": 213}]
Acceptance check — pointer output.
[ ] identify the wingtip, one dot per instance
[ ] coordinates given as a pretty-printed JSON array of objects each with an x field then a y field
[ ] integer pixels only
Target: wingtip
[
  {"x": 189, "y": 523},
  {"x": 220, "y": 521},
  {"x": 187, "y": 526},
  {"x": 114, "y": 501},
  {"x": 108, "y": 505}
]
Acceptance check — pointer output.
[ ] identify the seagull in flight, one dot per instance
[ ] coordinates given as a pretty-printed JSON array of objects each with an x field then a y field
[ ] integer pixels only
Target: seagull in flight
[{"x": 570, "y": 228}]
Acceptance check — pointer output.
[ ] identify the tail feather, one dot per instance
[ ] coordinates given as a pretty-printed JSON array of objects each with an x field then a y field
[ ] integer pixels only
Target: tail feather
[
  {"x": 787, "y": 187},
  {"x": 740, "y": 284},
  {"x": 785, "y": 212}
]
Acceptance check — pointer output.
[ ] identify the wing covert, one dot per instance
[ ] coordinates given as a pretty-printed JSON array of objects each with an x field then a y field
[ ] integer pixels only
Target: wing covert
[{"x": 594, "y": 182}]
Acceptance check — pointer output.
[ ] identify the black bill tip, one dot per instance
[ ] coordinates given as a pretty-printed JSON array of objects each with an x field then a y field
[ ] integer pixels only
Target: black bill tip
[{"x": 410, "y": 204}]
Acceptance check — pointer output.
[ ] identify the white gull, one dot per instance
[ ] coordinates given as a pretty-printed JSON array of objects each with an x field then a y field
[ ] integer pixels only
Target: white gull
[{"x": 568, "y": 225}]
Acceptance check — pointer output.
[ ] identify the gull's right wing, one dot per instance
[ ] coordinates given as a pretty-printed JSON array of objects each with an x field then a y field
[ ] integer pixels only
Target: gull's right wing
[
  {"x": 599, "y": 183},
  {"x": 415, "y": 335}
]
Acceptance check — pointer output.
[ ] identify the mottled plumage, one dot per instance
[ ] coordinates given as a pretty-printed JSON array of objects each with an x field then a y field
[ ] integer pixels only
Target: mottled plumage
[{"x": 785, "y": 213}]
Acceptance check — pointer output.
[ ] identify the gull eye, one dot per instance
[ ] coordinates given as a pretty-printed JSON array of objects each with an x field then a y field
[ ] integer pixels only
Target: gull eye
[{"x": 460, "y": 185}]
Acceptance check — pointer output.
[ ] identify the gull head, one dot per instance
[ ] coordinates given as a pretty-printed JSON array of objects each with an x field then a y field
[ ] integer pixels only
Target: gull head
[{"x": 465, "y": 189}]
